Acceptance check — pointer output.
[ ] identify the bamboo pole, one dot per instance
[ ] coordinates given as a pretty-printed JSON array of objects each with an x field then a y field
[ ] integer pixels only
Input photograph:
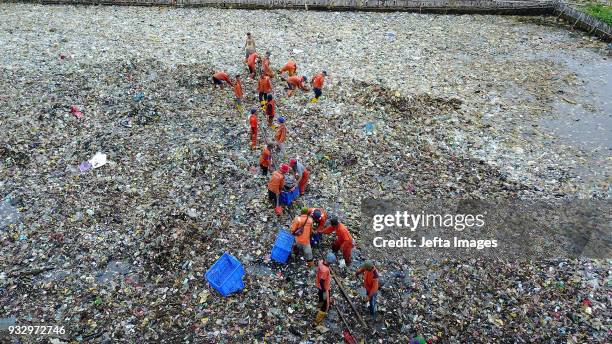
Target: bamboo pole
[
  {"x": 348, "y": 327},
  {"x": 343, "y": 292}
]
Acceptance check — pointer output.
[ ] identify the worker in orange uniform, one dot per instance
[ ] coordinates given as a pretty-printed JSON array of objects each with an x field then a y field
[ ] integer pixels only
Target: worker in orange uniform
[
  {"x": 270, "y": 109},
  {"x": 295, "y": 82},
  {"x": 323, "y": 284},
  {"x": 276, "y": 183},
  {"x": 344, "y": 240},
  {"x": 265, "y": 63},
  {"x": 301, "y": 228},
  {"x": 265, "y": 159},
  {"x": 301, "y": 174},
  {"x": 317, "y": 85},
  {"x": 281, "y": 136},
  {"x": 253, "y": 127},
  {"x": 370, "y": 282},
  {"x": 290, "y": 68},
  {"x": 238, "y": 92},
  {"x": 251, "y": 63},
  {"x": 264, "y": 87},
  {"x": 319, "y": 217},
  {"x": 219, "y": 77}
]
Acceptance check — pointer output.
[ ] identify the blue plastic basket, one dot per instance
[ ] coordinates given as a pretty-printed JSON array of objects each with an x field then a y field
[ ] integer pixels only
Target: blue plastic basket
[
  {"x": 282, "y": 246},
  {"x": 225, "y": 275},
  {"x": 287, "y": 197}
]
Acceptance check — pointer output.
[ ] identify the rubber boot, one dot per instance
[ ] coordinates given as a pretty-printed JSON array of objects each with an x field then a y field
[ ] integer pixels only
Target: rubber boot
[{"x": 320, "y": 316}]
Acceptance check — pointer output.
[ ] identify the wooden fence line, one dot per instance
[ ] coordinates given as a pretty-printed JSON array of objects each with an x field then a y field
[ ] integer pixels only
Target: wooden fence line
[
  {"x": 579, "y": 19},
  {"x": 583, "y": 21},
  {"x": 523, "y": 7}
]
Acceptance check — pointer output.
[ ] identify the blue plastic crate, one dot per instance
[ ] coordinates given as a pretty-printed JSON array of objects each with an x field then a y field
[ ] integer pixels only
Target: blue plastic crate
[
  {"x": 287, "y": 197},
  {"x": 282, "y": 246},
  {"x": 225, "y": 275}
]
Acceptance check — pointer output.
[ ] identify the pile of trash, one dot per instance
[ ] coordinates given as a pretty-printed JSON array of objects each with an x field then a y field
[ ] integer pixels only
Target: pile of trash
[{"x": 124, "y": 176}]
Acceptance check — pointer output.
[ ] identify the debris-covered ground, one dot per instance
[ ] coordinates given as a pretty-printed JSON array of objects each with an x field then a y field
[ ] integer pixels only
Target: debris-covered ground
[{"x": 417, "y": 105}]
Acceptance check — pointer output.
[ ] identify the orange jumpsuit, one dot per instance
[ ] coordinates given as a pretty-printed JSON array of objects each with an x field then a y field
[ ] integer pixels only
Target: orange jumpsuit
[
  {"x": 344, "y": 241},
  {"x": 253, "y": 125},
  {"x": 323, "y": 283}
]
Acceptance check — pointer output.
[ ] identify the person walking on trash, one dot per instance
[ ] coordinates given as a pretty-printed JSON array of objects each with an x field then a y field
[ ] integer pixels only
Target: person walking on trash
[
  {"x": 265, "y": 63},
  {"x": 265, "y": 159},
  {"x": 301, "y": 174},
  {"x": 252, "y": 122},
  {"x": 238, "y": 92},
  {"x": 370, "y": 282},
  {"x": 344, "y": 240},
  {"x": 317, "y": 85},
  {"x": 323, "y": 284},
  {"x": 301, "y": 228},
  {"x": 264, "y": 88},
  {"x": 281, "y": 136},
  {"x": 270, "y": 109},
  {"x": 275, "y": 185}
]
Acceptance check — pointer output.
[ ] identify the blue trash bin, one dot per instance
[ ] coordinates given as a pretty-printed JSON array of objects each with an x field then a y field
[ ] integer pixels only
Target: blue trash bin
[
  {"x": 282, "y": 246},
  {"x": 225, "y": 275}
]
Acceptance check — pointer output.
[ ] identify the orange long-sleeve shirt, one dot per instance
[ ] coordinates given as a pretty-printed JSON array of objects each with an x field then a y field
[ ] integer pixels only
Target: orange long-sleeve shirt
[
  {"x": 223, "y": 77},
  {"x": 322, "y": 220},
  {"x": 264, "y": 85},
  {"x": 276, "y": 183},
  {"x": 341, "y": 232},
  {"x": 238, "y": 89},
  {"x": 290, "y": 67},
  {"x": 271, "y": 108},
  {"x": 281, "y": 133},
  {"x": 296, "y": 81},
  {"x": 266, "y": 67},
  {"x": 252, "y": 59},
  {"x": 299, "y": 221},
  {"x": 253, "y": 121},
  {"x": 317, "y": 80},
  {"x": 265, "y": 158},
  {"x": 370, "y": 280},
  {"x": 323, "y": 274}
]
